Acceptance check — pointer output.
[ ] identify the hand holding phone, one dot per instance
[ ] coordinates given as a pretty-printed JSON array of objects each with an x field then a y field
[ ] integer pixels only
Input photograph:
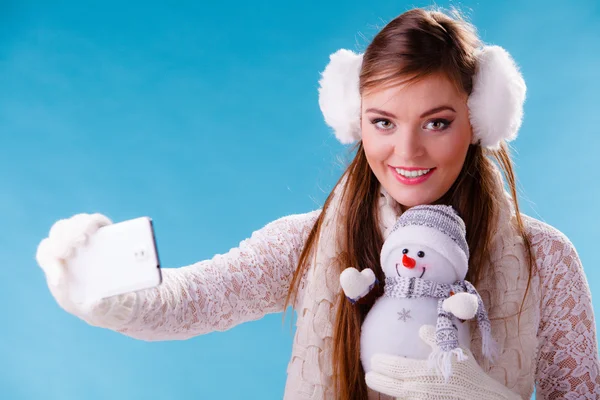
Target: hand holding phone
[{"x": 87, "y": 258}]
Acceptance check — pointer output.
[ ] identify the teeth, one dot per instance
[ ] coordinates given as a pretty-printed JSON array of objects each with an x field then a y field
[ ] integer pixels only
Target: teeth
[{"x": 412, "y": 174}]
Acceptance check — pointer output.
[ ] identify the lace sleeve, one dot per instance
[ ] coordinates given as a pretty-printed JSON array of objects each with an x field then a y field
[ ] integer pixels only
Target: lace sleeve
[
  {"x": 567, "y": 366},
  {"x": 244, "y": 284}
]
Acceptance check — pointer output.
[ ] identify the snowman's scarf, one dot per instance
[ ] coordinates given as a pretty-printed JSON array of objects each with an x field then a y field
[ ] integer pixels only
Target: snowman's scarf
[{"x": 446, "y": 332}]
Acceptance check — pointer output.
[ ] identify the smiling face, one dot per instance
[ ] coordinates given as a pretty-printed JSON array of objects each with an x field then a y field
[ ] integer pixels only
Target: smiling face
[
  {"x": 415, "y": 137},
  {"x": 411, "y": 260}
]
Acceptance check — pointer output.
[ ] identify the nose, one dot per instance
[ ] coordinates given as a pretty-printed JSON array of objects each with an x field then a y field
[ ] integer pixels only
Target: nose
[
  {"x": 408, "y": 262},
  {"x": 408, "y": 144}
]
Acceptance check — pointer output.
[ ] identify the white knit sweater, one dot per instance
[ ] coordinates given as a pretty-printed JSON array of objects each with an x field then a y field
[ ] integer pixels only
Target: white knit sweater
[{"x": 554, "y": 350}]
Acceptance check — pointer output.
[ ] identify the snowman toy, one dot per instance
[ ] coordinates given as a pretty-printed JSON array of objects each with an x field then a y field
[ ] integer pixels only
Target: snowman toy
[{"x": 425, "y": 261}]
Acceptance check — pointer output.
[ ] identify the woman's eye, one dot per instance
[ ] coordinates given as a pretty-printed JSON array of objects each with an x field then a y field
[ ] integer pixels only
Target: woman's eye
[
  {"x": 386, "y": 126},
  {"x": 439, "y": 124}
]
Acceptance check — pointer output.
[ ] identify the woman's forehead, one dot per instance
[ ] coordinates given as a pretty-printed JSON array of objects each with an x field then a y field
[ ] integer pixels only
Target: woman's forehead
[{"x": 424, "y": 93}]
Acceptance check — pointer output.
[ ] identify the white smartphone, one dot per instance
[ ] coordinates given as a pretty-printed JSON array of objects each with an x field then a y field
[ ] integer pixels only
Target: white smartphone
[{"x": 118, "y": 258}]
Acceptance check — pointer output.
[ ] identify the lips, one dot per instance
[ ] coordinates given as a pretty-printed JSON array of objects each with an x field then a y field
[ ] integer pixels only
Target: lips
[{"x": 412, "y": 181}]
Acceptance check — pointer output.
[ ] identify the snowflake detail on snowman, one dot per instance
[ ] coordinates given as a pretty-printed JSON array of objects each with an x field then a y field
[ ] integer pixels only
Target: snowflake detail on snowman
[
  {"x": 404, "y": 315},
  {"x": 425, "y": 261}
]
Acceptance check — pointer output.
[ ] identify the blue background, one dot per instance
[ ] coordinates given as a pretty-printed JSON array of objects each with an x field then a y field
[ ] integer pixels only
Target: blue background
[{"x": 205, "y": 117}]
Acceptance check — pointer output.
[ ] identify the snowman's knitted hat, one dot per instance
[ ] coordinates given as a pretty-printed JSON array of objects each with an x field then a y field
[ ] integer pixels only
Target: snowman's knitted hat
[{"x": 436, "y": 226}]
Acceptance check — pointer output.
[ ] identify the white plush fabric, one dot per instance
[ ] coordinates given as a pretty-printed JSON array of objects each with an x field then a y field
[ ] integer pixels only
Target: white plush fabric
[
  {"x": 339, "y": 96},
  {"x": 496, "y": 103},
  {"x": 462, "y": 305},
  {"x": 355, "y": 283}
]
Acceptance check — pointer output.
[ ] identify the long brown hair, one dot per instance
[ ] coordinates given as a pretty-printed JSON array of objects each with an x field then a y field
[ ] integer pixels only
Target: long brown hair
[{"x": 414, "y": 45}]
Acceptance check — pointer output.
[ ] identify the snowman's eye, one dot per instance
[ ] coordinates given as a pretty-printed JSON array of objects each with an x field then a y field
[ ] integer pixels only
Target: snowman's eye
[
  {"x": 421, "y": 254},
  {"x": 405, "y": 251}
]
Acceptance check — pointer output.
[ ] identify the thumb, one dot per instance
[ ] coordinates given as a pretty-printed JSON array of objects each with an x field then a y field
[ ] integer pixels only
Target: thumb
[{"x": 427, "y": 334}]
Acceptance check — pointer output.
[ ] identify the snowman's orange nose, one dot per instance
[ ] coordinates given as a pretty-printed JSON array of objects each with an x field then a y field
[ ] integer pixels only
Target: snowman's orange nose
[{"x": 408, "y": 262}]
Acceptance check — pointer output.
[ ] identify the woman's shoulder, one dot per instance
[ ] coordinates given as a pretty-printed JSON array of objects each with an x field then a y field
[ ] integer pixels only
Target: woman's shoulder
[
  {"x": 543, "y": 234},
  {"x": 552, "y": 249}
]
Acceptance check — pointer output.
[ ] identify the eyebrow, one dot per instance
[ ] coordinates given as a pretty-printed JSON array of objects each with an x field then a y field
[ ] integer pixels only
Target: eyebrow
[{"x": 425, "y": 114}]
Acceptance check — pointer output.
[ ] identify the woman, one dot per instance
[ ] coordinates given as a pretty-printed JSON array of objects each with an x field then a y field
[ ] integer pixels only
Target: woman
[{"x": 431, "y": 110}]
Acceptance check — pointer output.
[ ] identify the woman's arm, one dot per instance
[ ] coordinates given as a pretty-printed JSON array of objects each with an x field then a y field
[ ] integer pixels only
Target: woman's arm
[
  {"x": 213, "y": 295},
  {"x": 568, "y": 365}
]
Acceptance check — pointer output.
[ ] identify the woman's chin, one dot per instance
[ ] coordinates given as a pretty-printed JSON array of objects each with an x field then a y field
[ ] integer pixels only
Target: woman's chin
[
  {"x": 408, "y": 196},
  {"x": 407, "y": 202}
]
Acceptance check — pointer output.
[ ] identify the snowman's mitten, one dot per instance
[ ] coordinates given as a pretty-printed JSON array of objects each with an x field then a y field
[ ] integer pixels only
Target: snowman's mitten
[
  {"x": 55, "y": 251},
  {"x": 461, "y": 305},
  {"x": 406, "y": 378},
  {"x": 357, "y": 284}
]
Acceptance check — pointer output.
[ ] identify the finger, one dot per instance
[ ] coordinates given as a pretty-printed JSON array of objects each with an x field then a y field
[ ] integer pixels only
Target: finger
[
  {"x": 384, "y": 384},
  {"x": 100, "y": 220},
  {"x": 427, "y": 334},
  {"x": 399, "y": 367},
  {"x": 63, "y": 248},
  {"x": 58, "y": 228},
  {"x": 67, "y": 235},
  {"x": 60, "y": 239},
  {"x": 44, "y": 255},
  {"x": 55, "y": 272},
  {"x": 79, "y": 230},
  {"x": 84, "y": 226},
  {"x": 81, "y": 226}
]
